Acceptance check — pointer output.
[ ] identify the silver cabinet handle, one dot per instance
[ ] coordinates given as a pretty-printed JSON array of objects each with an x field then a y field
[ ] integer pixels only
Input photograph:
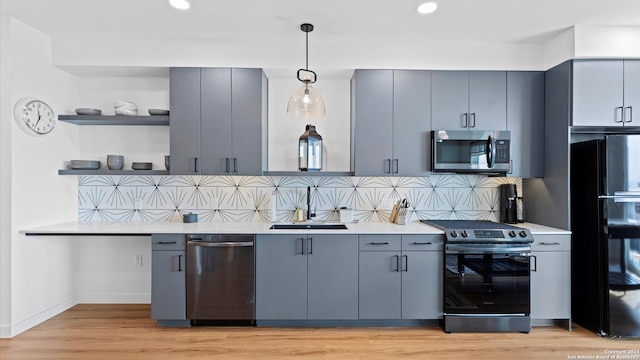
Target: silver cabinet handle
[
  {"x": 387, "y": 166},
  {"x": 235, "y": 165},
  {"x": 619, "y": 119},
  {"x": 473, "y": 120},
  {"x": 395, "y": 162},
  {"x": 466, "y": 120},
  {"x": 630, "y": 114},
  {"x": 535, "y": 263},
  {"x": 226, "y": 164},
  {"x": 549, "y": 244}
]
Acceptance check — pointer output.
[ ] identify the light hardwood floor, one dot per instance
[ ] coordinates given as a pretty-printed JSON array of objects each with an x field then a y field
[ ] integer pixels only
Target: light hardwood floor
[{"x": 127, "y": 332}]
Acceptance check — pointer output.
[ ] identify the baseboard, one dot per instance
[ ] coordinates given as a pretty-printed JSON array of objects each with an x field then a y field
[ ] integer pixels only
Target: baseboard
[
  {"x": 114, "y": 298},
  {"x": 28, "y": 323}
]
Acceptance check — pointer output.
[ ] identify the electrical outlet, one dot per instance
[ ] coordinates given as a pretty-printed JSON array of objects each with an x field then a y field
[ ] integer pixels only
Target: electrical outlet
[{"x": 137, "y": 261}]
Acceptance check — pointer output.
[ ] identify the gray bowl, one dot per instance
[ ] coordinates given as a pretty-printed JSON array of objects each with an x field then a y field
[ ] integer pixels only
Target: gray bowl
[{"x": 142, "y": 166}]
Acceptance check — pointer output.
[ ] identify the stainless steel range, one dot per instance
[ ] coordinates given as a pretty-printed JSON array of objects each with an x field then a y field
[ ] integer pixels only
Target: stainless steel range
[{"x": 487, "y": 276}]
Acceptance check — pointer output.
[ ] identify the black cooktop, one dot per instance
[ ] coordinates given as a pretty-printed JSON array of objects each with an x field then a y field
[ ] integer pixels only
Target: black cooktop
[{"x": 469, "y": 225}]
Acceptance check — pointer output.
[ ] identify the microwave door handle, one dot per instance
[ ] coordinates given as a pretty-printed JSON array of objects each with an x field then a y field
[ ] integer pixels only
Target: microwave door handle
[{"x": 491, "y": 151}]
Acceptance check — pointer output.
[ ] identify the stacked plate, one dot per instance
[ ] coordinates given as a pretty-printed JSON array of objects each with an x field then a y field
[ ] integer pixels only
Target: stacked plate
[
  {"x": 84, "y": 164},
  {"x": 125, "y": 108}
]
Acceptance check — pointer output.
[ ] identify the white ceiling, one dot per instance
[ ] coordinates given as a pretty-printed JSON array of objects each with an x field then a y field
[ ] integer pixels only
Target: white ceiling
[{"x": 270, "y": 28}]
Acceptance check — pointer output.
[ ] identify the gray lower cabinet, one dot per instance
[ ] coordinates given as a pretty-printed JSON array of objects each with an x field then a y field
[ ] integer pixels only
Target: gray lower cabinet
[
  {"x": 606, "y": 93},
  {"x": 525, "y": 121},
  {"x": 400, "y": 276},
  {"x": 168, "y": 278},
  {"x": 551, "y": 277},
  {"x": 391, "y": 122},
  {"x": 468, "y": 100},
  {"x": 216, "y": 121},
  {"x": 306, "y": 277}
]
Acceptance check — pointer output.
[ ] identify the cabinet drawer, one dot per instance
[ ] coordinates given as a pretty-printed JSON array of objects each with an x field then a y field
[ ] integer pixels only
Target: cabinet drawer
[
  {"x": 422, "y": 242},
  {"x": 168, "y": 242},
  {"x": 380, "y": 242},
  {"x": 551, "y": 243}
]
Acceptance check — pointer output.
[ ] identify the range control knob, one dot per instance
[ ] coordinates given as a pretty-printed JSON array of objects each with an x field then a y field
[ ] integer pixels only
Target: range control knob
[
  {"x": 512, "y": 233},
  {"x": 464, "y": 233},
  {"x": 523, "y": 233},
  {"x": 453, "y": 233}
]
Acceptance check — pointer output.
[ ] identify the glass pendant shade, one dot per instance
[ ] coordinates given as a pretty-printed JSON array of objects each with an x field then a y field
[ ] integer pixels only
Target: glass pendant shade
[{"x": 306, "y": 103}]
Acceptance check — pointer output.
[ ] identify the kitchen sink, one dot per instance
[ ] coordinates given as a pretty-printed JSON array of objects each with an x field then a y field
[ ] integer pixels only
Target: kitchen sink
[{"x": 308, "y": 226}]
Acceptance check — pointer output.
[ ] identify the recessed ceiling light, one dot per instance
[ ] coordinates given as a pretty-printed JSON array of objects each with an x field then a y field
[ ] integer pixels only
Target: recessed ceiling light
[
  {"x": 427, "y": 8},
  {"x": 180, "y": 4}
]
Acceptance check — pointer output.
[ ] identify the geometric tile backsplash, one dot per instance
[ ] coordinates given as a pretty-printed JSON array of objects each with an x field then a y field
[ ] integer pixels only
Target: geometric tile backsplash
[{"x": 249, "y": 198}]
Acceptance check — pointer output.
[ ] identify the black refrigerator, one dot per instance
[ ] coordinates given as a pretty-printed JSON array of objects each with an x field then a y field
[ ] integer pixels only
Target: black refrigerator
[{"x": 605, "y": 225}]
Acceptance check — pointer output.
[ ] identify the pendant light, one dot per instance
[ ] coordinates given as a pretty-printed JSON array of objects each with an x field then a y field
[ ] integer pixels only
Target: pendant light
[{"x": 306, "y": 102}]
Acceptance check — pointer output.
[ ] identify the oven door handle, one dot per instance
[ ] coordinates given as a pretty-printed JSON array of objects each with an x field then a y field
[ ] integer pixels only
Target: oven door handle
[{"x": 488, "y": 249}]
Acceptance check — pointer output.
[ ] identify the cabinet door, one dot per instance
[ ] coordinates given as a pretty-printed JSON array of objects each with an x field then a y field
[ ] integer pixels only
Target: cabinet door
[
  {"x": 449, "y": 100},
  {"x": 373, "y": 102},
  {"x": 422, "y": 278},
  {"x": 632, "y": 92},
  {"x": 246, "y": 121},
  {"x": 332, "y": 264},
  {"x": 551, "y": 285},
  {"x": 411, "y": 122},
  {"x": 597, "y": 92},
  {"x": 525, "y": 121},
  {"x": 380, "y": 285},
  {"x": 216, "y": 121},
  {"x": 168, "y": 285},
  {"x": 184, "y": 121},
  {"x": 281, "y": 278},
  {"x": 487, "y": 100}
]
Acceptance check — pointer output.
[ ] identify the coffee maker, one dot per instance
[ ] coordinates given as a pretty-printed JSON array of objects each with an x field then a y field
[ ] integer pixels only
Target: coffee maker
[{"x": 508, "y": 203}]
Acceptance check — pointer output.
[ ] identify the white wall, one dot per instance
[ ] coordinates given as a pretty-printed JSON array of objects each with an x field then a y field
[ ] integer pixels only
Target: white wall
[
  {"x": 136, "y": 143},
  {"x": 284, "y": 130},
  {"x": 40, "y": 281}
]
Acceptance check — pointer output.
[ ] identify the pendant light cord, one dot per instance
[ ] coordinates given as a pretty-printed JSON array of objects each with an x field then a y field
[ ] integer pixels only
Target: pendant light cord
[{"x": 307, "y": 51}]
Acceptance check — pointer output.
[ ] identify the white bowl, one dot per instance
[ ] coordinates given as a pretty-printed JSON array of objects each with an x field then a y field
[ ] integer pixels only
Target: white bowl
[{"x": 126, "y": 112}]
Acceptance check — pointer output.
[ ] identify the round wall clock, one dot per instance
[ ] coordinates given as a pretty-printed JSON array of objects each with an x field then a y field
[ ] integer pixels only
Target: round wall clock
[{"x": 35, "y": 117}]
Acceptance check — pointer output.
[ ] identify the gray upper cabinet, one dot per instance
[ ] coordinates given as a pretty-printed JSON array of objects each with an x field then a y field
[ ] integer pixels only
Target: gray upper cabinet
[
  {"x": 217, "y": 118},
  {"x": 312, "y": 277},
  {"x": 525, "y": 120},
  {"x": 606, "y": 92},
  {"x": 184, "y": 120},
  {"x": 391, "y": 122},
  {"x": 468, "y": 100}
]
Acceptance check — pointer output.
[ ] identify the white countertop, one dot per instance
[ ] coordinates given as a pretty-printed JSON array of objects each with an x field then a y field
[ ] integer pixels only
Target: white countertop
[{"x": 160, "y": 227}]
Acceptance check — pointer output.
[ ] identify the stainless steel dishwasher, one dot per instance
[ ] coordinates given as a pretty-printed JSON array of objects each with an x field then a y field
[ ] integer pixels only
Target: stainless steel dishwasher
[{"x": 220, "y": 279}]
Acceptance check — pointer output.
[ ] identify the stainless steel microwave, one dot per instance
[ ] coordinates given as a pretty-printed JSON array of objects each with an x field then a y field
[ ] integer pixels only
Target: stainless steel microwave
[{"x": 471, "y": 151}]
